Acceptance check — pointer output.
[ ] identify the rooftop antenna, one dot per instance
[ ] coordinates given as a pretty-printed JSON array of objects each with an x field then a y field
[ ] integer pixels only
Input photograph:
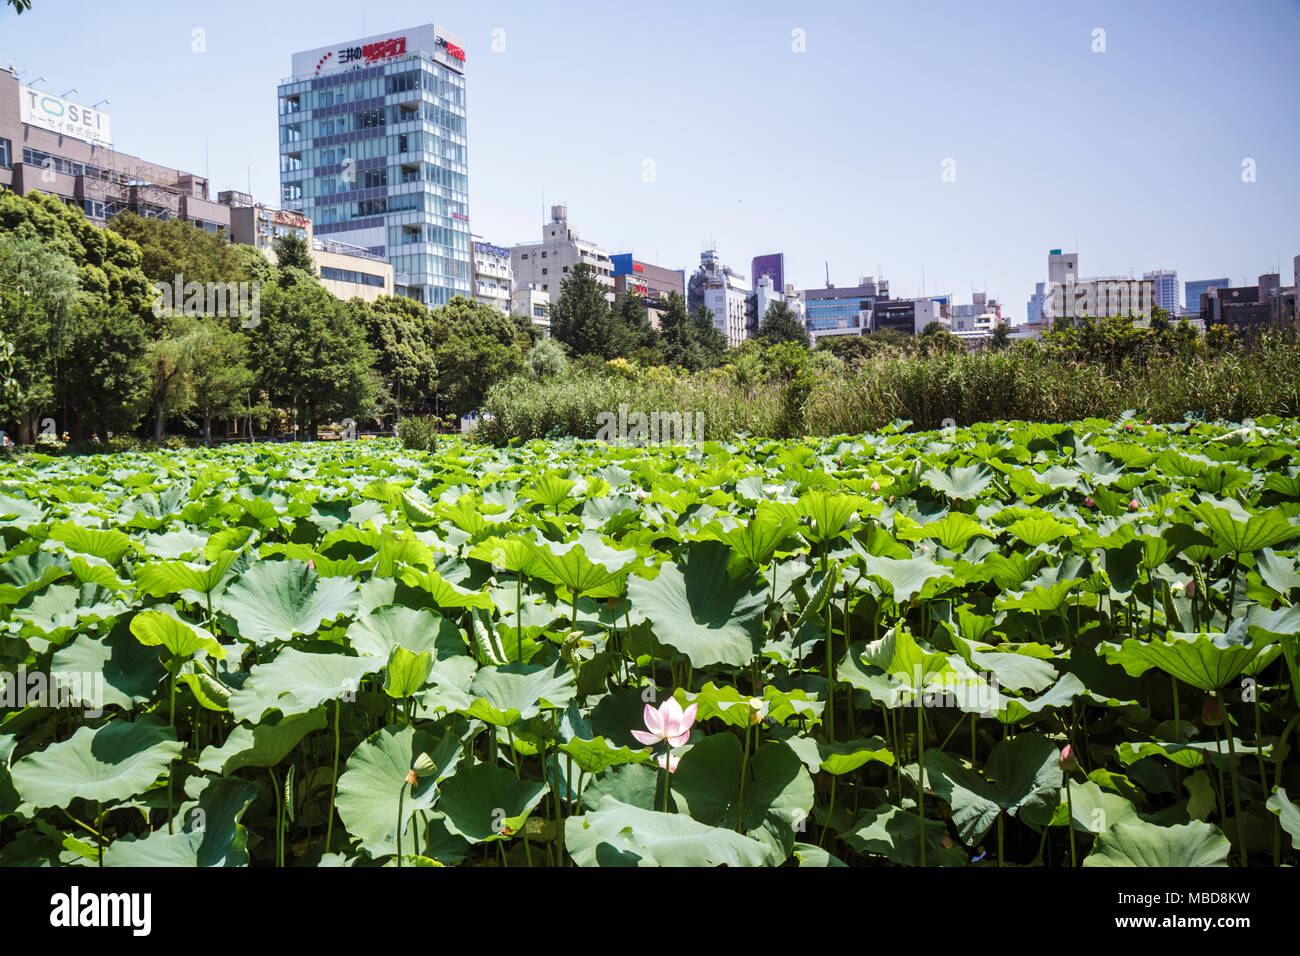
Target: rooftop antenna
[{"x": 828, "y": 274}]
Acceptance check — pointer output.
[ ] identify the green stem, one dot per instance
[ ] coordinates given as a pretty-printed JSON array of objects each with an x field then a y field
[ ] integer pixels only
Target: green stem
[
  {"x": 920, "y": 773},
  {"x": 1236, "y": 791},
  {"x": 334, "y": 778},
  {"x": 1069, "y": 806},
  {"x": 744, "y": 772},
  {"x": 401, "y": 798}
]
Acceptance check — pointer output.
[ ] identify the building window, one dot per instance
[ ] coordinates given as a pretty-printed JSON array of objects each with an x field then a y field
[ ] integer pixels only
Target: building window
[
  {"x": 543, "y": 272},
  {"x": 566, "y": 268},
  {"x": 6, "y": 153}
]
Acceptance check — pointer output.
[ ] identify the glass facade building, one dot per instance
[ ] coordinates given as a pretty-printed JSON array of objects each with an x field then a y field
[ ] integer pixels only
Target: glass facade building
[{"x": 373, "y": 149}]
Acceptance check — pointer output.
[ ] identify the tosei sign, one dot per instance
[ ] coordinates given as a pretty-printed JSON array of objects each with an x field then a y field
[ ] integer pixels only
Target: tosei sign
[{"x": 64, "y": 117}]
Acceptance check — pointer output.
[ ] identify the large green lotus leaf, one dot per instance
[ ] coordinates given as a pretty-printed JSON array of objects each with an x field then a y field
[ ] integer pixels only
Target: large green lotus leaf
[
  {"x": 446, "y": 692},
  {"x": 913, "y": 667},
  {"x": 1036, "y": 531},
  {"x": 1042, "y": 600},
  {"x": 274, "y": 600},
  {"x": 965, "y": 482},
  {"x": 954, "y": 531},
  {"x": 114, "y": 762},
  {"x": 173, "y": 577},
  {"x": 441, "y": 592},
  {"x": 778, "y": 789},
  {"x": 123, "y": 670},
  {"x": 509, "y": 554},
  {"x": 58, "y": 610},
  {"x": 262, "y": 746},
  {"x": 406, "y": 672},
  {"x": 904, "y": 578},
  {"x": 28, "y": 573},
  {"x": 895, "y": 834},
  {"x": 695, "y": 608},
  {"x": 172, "y": 545},
  {"x": 1021, "y": 773},
  {"x": 598, "y": 754},
  {"x": 178, "y": 637},
  {"x": 1138, "y": 843},
  {"x": 1205, "y": 661},
  {"x": 586, "y": 565},
  {"x": 637, "y": 785},
  {"x": 518, "y": 691},
  {"x": 616, "y": 834},
  {"x": 1013, "y": 670},
  {"x": 483, "y": 801},
  {"x": 1288, "y": 814},
  {"x": 108, "y": 545},
  {"x": 809, "y": 855},
  {"x": 375, "y": 775},
  {"x": 758, "y": 539},
  {"x": 1095, "y": 809},
  {"x": 296, "y": 682},
  {"x": 1242, "y": 533},
  {"x": 828, "y": 513},
  {"x": 211, "y": 835}
]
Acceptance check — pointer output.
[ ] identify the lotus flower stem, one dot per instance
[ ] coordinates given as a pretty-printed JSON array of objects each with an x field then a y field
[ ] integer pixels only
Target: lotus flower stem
[
  {"x": 519, "y": 614},
  {"x": 1001, "y": 817},
  {"x": 1069, "y": 807},
  {"x": 920, "y": 774},
  {"x": 1218, "y": 750},
  {"x": 1236, "y": 794},
  {"x": 514, "y": 759},
  {"x": 830, "y": 680},
  {"x": 744, "y": 772},
  {"x": 822, "y": 836},
  {"x": 1259, "y": 746},
  {"x": 401, "y": 797},
  {"x": 334, "y": 779}
]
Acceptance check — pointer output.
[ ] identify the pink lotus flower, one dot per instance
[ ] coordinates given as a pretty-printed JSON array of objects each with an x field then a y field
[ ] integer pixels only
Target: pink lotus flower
[
  {"x": 1088, "y": 502},
  {"x": 1128, "y": 427},
  {"x": 1191, "y": 589},
  {"x": 669, "y": 762},
  {"x": 875, "y": 486},
  {"x": 1133, "y": 505},
  {"x": 669, "y": 723},
  {"x": 1067, "y": 759}
]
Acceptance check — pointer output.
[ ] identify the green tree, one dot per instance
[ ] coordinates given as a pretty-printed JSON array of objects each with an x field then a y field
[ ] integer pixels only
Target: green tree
[
  {"x": 710, "y": 343},
  {"x": 475, "y": 347},
  {"x": 1000, "y": 338},
  {"x": 780, "y": 324},
  {"x": 310, "y": 355},
  {"x": 104, "y": 385},
  {"x": 581, "y": 318},
  {"x": 400, "y": 331},
  {"x": 292, "y": 252},
  {"x": 39, "y": 301},
  {"x": 220, "y": 375}
]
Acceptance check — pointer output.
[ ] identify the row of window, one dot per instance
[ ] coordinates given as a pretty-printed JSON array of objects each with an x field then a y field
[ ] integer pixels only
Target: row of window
[
  {"x": 351, "y": 275},
  {"x": 372, "y": 119}
]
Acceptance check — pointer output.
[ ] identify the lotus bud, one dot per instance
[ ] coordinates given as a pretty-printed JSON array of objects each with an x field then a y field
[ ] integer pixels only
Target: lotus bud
[
  {"x": 1191, "y": 589},
  {"x": 875, "y": 486},
  {"x": 947, "y": 841},
  {"x": 1067, "y": 760},
  {"x": 1089, "y": 503},
  {"x": 1133, "y": 505},
  {"x": 1211, "y": 711},
  {"x": 1128, "y": 427}
]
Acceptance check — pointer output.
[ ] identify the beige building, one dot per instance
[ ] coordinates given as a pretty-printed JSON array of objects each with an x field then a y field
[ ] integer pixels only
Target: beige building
[
  {"x": 346, "y": 271},
  {"x": 546, "y": 264},
  {"x": 535, "y": 304}
]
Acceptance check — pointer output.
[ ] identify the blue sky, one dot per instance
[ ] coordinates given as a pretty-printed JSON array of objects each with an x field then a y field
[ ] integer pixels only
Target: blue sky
[{"x": 833, "y": 155}]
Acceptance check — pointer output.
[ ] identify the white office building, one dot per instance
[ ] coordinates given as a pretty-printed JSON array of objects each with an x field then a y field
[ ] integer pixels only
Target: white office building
[
  {"x": 492, "y": 276},
  {"x": 546, "y": 264},
  {"x": 724, "y": 292}
]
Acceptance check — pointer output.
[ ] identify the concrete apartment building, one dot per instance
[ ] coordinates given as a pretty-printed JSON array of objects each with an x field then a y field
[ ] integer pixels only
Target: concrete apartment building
[
  {"x": 533, "y": 303},
  {"x": 723, "y": 292},
  {"x": 1252, "y": 309},
  {"x": 54, "y": 145},
  {"x": 1067, "y": 296},
  {"x": 346, "y": 271},
  {"x": 373, "y": 150},
  {"x": 493, "y": 280},
  {"x": 651, "y": 282},
  {"x": 546, "y": 264}
]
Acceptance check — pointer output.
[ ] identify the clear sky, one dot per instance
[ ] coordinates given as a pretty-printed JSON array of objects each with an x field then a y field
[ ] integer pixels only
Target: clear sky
[{"x": 834, "y": 155}]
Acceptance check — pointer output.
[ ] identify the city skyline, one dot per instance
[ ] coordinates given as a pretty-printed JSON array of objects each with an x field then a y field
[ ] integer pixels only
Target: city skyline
[{"x": 758, "y": 130}]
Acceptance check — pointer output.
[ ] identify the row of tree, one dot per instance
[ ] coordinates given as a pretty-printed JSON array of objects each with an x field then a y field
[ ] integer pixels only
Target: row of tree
[{"x": 88, "y": 350}]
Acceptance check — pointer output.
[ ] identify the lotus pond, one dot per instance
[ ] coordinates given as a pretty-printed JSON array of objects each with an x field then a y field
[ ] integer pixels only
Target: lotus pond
[{"x": 1009, "y": 644}]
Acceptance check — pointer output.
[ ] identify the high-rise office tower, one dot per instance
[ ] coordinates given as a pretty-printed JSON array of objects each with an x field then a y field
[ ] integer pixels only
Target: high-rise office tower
[{"x": 372, "y": 148}]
